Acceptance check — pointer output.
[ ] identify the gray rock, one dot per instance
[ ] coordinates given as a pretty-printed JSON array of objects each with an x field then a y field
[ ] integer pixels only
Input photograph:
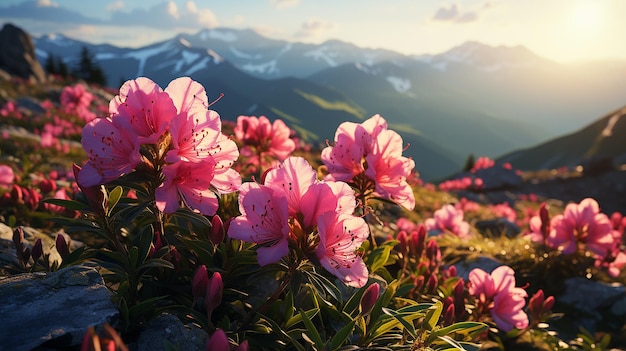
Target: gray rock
[
  {"x": 588, "y": 296},
  {"x": 487, "y": 264},
  {"x": 52, "y": 310},
  {"x": 17, "y": 54},
  {"x": 168, "y": 329}
]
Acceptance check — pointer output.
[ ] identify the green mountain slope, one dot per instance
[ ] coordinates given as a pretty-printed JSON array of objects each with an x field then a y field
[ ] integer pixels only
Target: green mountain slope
[{"x": 605, "y": 138}]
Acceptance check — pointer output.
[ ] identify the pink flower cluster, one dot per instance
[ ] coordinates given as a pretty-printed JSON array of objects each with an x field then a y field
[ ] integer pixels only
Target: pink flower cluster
[
  {"x": 183, "y": 133},
  {"x": 292, "y": 206},
  {"x": 76, "y": 100},
  {"x": 461, "y": 184},
  {"x": 448, "y": 219},
  {"x": 497, "y": 293},
  {"x": 369, "y": 156},
  {"x": 483, "y": 162},
  {"x": 265, "y": 137},
  {"x": 581, "y": 227}
]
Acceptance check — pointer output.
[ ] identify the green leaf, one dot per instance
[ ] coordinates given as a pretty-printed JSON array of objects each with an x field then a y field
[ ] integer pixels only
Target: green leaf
[
  {"x": 311, "y": 334},
  {"x": 379, "y": 256},
  {"x": 156, "y": 263},
  {"x": 432, "y": 316},
  {"x": 114, "y": 197},
  {"x": 298, "y": 317},
  {"x": 467, "y": 329},
  {"x": 342, "y": 335},
  {"x": 69, "y": 204},
  {"x": 408, "y": 325}
]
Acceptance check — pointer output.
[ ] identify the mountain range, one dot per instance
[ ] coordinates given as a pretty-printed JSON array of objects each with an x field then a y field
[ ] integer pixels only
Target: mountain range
[{"x": 473, "y": 99}]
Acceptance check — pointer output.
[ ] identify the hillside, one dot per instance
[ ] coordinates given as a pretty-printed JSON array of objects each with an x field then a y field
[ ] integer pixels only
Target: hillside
[{"x": 600, "y": 140}]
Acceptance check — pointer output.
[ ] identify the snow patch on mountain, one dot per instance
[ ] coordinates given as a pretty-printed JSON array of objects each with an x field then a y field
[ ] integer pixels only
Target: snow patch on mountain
[
  {"x": 244, "y": 55},
  {"x": 608, "y": 130},
  {"x": 58, "y": 40},
  {"x": 217, "y": 59},
  {"x": 187, "y": 58},
  {"x": 269, "y": 67},
  {"x": 41, "y": 53},
  {"x": 142, "y": 55},
  {"x": 371, "y": 70},
  {"x": 105, "y": 56},
  {"x": 184, "y": 42},
  {"x": 202, "y": 64},
  {"x": 222, "y": 35},
  {"x": 323, "y": 53},
  {"x": 402, "y": 85}
]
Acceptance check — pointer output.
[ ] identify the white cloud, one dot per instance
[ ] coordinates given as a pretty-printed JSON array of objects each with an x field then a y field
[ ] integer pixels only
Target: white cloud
[
  {"x": 47, "y": 3},
  {"x": 172, "y": 9},
  {"x": 207, "y": 18},
  {"x": 191, "y": 7},
  {"x": 115, "y": 6},
  {"x": 453, "y": 13},
  {"x": 280, "y": 4},
  {"x": 314, "y": 28}
]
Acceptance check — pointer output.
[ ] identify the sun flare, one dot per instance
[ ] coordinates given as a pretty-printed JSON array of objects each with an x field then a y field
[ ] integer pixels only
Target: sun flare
[{"x": 587, "y": 16}]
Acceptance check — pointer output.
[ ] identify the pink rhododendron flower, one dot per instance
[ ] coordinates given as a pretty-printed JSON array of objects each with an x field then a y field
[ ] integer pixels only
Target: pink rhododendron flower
[
  {"x": 7, "y": 177},
  {"x": 582, "y": 223},
  {"x": 369, "y": 150},
  {"x": 267, "y": 137},
  {"x": 189, "y": 182},
  {"x": 77, "y": 100},
  {"x": 142, "y": 108},
  {"x": 508, "y": 301},
  {"x": 507, "y": 311},
  {"x": 505, "y": 211},
  {"x": 340, "y": 237},
  {"x": 112, "y": 152},
  {"x": 448, "y": 218},
  {"x": 264, "y": 220},
  {"x": 291, "y": 203},
  {"x": 75, "y": 97},
  {"x": 501, "y": 279}
]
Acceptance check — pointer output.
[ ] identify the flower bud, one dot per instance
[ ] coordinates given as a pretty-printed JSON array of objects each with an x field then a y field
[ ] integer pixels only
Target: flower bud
[
  {"x": 18, "y": 238},
  {"x": 16, "y": 195},
  {"x": 448, "y": 315},
  {"x": 37, "y": 250},
  {"x": 548, "y": 304},
  {"x": 419, "y": 282},
  {"x": 47, "y": 186},
  {"x": 200, "y": 282},
  {"x": 96, "y": 195},
  {"x": 61, "y": 246},
  {"x": 459, "y": 298},
  {"x": 403, "y": 242},
  {"x": 369, "y": 298},
  {"x": 433, "y": 282},
  {"x": 243, "y": 346},
  {"x": 432, "y": 252},
  {"x": 217, "y": 232},
  {"x": 218, "y": 341},
  {"x": 214, "y": 293},
  {"x": 417, "y": 240}
]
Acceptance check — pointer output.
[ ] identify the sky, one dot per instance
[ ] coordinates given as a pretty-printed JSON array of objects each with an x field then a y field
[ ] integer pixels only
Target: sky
[{"x": 561, "y": 30}]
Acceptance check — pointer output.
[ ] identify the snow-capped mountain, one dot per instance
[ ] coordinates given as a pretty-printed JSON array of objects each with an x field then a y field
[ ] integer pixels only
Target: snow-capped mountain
[
  {"x": 484, "y": 57},
  {"x": 474, "y": 98}
]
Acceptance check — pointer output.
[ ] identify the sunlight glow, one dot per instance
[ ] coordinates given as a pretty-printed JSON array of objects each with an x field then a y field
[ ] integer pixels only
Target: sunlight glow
[{"x": 587, "y": 16}]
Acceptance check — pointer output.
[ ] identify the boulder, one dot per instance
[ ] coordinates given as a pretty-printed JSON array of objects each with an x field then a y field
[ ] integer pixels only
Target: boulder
[
  {"x": 53, "y": 310},
  {"x": 17, "y": 54},
  {"x": 168, "y": 329}
]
